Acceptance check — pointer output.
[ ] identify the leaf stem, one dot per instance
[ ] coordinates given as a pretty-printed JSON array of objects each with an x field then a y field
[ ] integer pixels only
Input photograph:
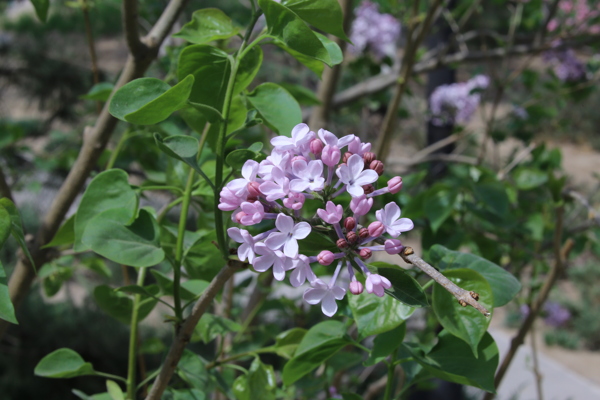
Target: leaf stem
[
  {"x": 110, "y": 376},
  {"x": 389, "y": 385},
  {"x": 133, "y": 338},
  {"x": 117, "y": 150}
]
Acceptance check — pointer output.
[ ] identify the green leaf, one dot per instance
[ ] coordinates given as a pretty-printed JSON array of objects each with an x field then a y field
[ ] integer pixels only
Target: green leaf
[
  {"x": 7, "y": 310},
  {"x": 334, "y": 51},
  {"x": 16, "y": 227},
  {"x": 465, "y": 323},
  {"x": 207, "y": 25},
  {"x": 53, "y": 276},
  {"x": 152, "y": 345},
  {"x": 137, "y": 245},
  {"x": 41, "y": 8},
  {"x": 212, "y": 115},
  {"x": 385, "y": 343},
  {"x": 280, "y": 111},
  {"x": 302, "y": 95},
  {"x": 211, "y": 326},
  {"x": 374, "y": 315},
  {"x": 65, "y": 234},
  {"x": 248, "y": 68},
  {"x": 325, "y": 15},
  {"x": 210, "y": 68},
  {"x": 493, "y": 196},
  {"x": 119, "y": 306},
  {"x": 63, "y": 363},
  {"x": 503, "y": 284},
  {"x": 404, "y": 287},
  {"x": 237, "y": 158},
  {"x": 258, "y": 383},
  {"x": 529, "y": 178},
  {"x": 5, "y": 225},
  {"x": 438, "y": 207},
  {"x": 320, "y": 343},
  {"x": 315, "y": 66},
  {"x": 109, "y": 190},
  {"x": 99, "y": 92},
  {"x": 148, "y": 101},
  {"x": 287, "y": 342},
  {"x": 290, "y": 29},
  {"x": 114, "y": 390},
  {"x": 451, "y": 360}
]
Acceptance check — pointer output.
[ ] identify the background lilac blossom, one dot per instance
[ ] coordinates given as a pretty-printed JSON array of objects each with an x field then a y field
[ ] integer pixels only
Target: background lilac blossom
[
  {"x": 566, "y": 66},
  {"x": 309, "y": 166},
  {"x": 375, "y": 31},
  {"x": 456, "y": 103}
]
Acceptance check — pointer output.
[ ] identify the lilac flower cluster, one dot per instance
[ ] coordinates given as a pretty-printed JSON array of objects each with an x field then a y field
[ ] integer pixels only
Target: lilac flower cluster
[
  {"x": 565, "y": 64},
  {"x": 314, "y": 166},
  {"x": 456, "y": 103},
  {"x": 556, "y": 315},
  {"x": 379, "y": 32}
]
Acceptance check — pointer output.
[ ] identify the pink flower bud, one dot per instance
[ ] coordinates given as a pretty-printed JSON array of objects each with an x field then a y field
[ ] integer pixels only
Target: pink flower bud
[
  {"x": 361, "y": 205},
  {"x": 346, "y": 157},
  {"x": 352, "y": 237},
  {"x": 365, "y": 253},
  {"x": 356, "y": 287},
  {"x": 341, "y": 243},
  {"x": 363, "y": 233},
  {"x": 376, "y": 229},
  {"x": 316, "y": 146},
  {"x": 253, "y": 189},
  {"x": 393, "y": 246},
  {"x": 369, "y": 157},
  {"x": 395, "y": 184},
  {"x": 377, "y": 166},
  {"x": 239, "y": 216},
  {"x": 349, "y": 223},
  {"x": 296, "y": 158},
  {"x": 368, "y": 188},
  {"x": 330, "y": 155},
  {"x": 325, "y": 257}
]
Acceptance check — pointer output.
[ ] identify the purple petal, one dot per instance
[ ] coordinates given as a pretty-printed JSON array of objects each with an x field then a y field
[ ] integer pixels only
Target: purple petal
[
  {"x": 314, "y": 295},
  {"x": 299, "y": 185},
  {"x": 366, "y": 177},
  {"x": 290, "y": 248},
  {"x": 297, "y": 277},
  {"x": 392, "y": 211},
  {"x": 284, "y": 223},
  {"x": 328, "y": 305},
  {"x": 261, "y": 264},
  {"x": 355, "y": 190},
  {"x": 278, "y": 271},
  {"x": 301, "y": 230},
  {"x": 345, "y": 141},
  {"x": 338, "y": 292},
  {"x": 404, "y": 225},
  {"x": 249, "y": 170},
  {"x": 356, "y": 164},
  {"x": 276, "y": 240},
  {"x": 235, "y": 234}
]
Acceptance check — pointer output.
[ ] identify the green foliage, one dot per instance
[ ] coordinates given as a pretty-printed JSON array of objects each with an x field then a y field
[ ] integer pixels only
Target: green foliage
[
  {"x": 374, "y": 315},
  {"x": 207, "y": 25},
  {"x": 63, "y": 363},
  {"x": 277, "y": 107},
  {"x": 259, "y": 382}
]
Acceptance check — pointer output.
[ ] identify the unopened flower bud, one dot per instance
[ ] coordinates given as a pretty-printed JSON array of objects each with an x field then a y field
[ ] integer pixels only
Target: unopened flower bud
[
  {"x": 363, "y": 233},
  {"x": 352, "y": 237},
  {"x": 368, "y": 189},
  {"x": 316, "y": 146},
  {"x": 349, "y": 224},
  {"x": 346, "y": 157},
  {"x": 395, "y": 184},
  {"x": 376, "y": 229},
  {"x": 253, "y": 189},
  {"x": 325, "y": 257},
  {"x": 341, "y": 243},
  {"x": 252, "y": 198},
  {"x": 369, "y": 157},
  {"x": 330, "y": 155},
  {"x": 393, "y": 246},
  {"x": 297, "y": 158},
  {"x": 356, "y": 287},
  {"x": 365, "y": 253},
  {"x": 377, "y": 166},
  {"x": 239, "y": 216}
]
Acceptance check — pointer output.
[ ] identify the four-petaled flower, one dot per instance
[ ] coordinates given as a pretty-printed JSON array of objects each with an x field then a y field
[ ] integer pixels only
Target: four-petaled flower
[
  {"x": 390, "y": 218},
  {"x": 249, "y": 171},
  {"x": 320, "y": 292},
  {"x": 377, "y": 284},
  {"x": 309, "y": 176},
  {"x": 277, "y": 188},
  {"x": 354, "y": 177},
  {"x": 246, "y": 250},
  {"x": 331, "y": 140},
  {"x": 302, "y": 271},
  {"x": 332, "y": 213},
  {"x": 274, "y": 258},
  {"x": 301, "y": 135},
  {"x": 288, "y": 235},
  {"x": 253, "y": 213}
]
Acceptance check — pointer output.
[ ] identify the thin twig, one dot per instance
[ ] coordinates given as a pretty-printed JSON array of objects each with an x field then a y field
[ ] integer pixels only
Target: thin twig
[
  {"x": 91, "y": 46},
  {"x": 536, "y": 365},
  {"x": 593, "y": 214},
  {"x": 185, "y": 333},
  {"x": 560, "y": 256},
  {"x": 516, "y": 161}
]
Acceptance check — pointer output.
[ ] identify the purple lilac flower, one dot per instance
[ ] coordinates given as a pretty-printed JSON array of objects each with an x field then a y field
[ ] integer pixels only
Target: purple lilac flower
[
  {"x": 456, "y": 103},
  {"x": 379, "y": 32},
  {"x": 565, "y": 65},
  {"x": 556, "y": 315},
  {"x": 277, "y": 188}
]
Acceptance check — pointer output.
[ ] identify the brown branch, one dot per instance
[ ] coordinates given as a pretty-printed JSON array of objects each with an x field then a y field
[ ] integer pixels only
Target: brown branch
[
  {"x": 383, "y": 81},
  {"x": 320, "y": 114},
  {"x": 560, "y": 256},
  {"x": 94, "y": 142},
  {"x": 130, "y": 24},
  {"x": 91, "y": 47},
  {"x": 185, "y": 333},
  {"x": 382, "y": 146},
  {"x": 463, "y": 296}
]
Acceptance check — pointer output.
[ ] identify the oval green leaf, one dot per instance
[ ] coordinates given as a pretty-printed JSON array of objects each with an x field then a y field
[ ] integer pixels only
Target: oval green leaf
[
  {"x": 375, "y": 315},
  {"x": 280, "y": 111},
  {"x": 465, "y": 323},
  {"x": 63, "y": 363},
  {"x": 325, "y": 15},
  {"x": 7, "y": 310},
  {"x": 207, "y": 25}
]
